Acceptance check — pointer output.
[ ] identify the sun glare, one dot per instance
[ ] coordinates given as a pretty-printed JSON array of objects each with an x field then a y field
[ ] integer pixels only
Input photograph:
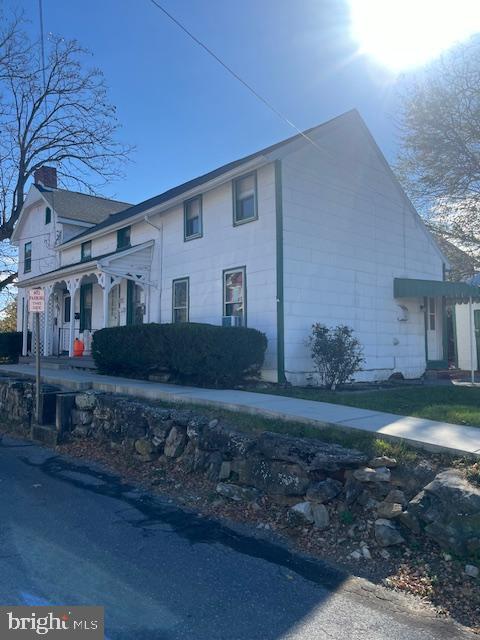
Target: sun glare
[{"x": 402, "y": 34}]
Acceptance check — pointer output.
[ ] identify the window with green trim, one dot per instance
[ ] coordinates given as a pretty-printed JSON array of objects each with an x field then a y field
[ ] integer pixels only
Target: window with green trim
[
  {"x": 86, "y": 251},
  {"x": 48, "y": 215},
  {"x": 180, "y": 300},
  {"x": 27, "y": 257},
  {"x": 234, "y": 294},
  {"x": 123, "y": 238},
  {"x": 245, "y": 198},
  {"x": 192, "y": 218}
]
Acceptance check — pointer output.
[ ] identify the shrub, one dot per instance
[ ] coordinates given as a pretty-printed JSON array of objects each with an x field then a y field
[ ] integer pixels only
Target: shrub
[
  {"x": 131, "y": 350},
  {"x": 10, "y": 346},
  {"x": 337, "y": 354},
  {"x": 201, "y": 354},
  {"x": 213, "y": 355}
]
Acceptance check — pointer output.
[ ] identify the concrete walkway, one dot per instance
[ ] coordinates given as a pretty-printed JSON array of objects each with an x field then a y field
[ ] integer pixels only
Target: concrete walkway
[{"x": 418, "y": 431}]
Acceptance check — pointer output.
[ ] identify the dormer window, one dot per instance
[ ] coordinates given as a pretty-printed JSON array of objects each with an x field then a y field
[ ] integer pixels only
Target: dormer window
[
  {"x": 123, "y": 238},
  {"x": 86, "y": 251},
  {"x": 48, "y": 215}
]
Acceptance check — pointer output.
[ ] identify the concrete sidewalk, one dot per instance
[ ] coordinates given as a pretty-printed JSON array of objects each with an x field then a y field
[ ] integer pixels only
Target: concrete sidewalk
[{"x": 418, "y": 431}]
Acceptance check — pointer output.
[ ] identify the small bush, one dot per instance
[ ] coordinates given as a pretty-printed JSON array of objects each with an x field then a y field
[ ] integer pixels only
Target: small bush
[
  {"x": 10, "y": 346},
  {"x": 337, "y": 354},
  {"x": 201, "y": 354}
]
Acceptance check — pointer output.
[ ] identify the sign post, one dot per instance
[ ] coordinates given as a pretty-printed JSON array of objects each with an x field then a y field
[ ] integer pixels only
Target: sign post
[{"x": 36, "y": 305}]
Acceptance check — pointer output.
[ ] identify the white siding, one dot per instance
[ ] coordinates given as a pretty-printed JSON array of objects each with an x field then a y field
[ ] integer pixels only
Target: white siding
[
  {"x": 348, "y": 232},
  {"x": 42, "y": 236},
  {"x": 464, "y": 347},
  {"x": 204, "y": 259}
]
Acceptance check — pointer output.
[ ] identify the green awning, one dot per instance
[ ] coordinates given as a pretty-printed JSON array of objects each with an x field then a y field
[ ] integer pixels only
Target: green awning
[{"x": 454, "y": 291}]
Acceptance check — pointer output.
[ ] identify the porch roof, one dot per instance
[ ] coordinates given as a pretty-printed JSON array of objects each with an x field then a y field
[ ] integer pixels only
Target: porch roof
[
  {"x": 97, "y": 262},
  {"x": 454, "y": 291}
]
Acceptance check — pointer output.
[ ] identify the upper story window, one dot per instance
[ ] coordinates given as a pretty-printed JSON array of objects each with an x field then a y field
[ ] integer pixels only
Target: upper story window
[
  {"x": 245, "y": 199},
  {"x": 192, "y": 218},
  {"x": 123, "y": 238},
  {"x": 180, "y": 300},
  {"x": 86, "y": 251},
  {"x": 48, "y": 215},
  {"x": 27, "y": 257}
]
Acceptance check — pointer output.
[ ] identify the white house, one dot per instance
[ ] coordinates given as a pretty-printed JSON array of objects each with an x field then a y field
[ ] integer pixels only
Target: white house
[{"x": 313, "y": 229}]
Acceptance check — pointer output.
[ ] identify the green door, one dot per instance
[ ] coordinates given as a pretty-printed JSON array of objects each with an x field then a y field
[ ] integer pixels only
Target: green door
[{"x": 476, "y": 317}]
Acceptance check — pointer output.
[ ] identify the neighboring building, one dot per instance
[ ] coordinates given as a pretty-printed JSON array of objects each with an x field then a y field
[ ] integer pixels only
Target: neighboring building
[
  {"x": 313, "y": 229},
  {"x": 466, "y": 331}
]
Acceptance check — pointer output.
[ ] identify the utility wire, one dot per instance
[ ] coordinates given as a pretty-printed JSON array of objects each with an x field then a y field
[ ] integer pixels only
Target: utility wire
[{"x": 233, "y": 73}]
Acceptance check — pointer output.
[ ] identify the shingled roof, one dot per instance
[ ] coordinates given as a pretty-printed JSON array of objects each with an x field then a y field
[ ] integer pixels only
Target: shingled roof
[{"x": 80, "y": 206}]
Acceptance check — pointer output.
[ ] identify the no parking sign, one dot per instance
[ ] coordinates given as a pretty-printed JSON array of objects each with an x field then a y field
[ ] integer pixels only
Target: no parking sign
[{"x": 36, "y": 301}]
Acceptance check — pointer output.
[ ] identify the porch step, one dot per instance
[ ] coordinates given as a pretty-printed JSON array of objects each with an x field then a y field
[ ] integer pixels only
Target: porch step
[
  {"x": 44, "y": 433},
  {"x": 61, "y": 362},
  {"x": 448, "y": 374}
]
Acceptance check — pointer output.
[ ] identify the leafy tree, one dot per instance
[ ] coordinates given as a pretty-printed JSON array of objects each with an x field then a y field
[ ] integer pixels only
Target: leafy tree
[
  {"x": 8, "y": 318},
  {"x": 54, "y": 114},
  {"x": 439, "y": 162},
  {"x": 336, "y": 353}
]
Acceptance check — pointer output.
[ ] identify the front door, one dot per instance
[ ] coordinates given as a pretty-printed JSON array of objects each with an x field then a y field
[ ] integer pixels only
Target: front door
[
  {"x": 434, "y": 329},
  {"x": 476, "y": 318},
  {"x": 64, "y": 330},
  {"x": 135, "y": 305}
]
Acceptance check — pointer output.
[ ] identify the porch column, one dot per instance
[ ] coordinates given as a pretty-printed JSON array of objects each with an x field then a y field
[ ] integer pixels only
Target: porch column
[
  {"x": 105, "y": 281},
  {"x": 47, "y": 329},
  {"x": 72, "y": 286},
  {"x": 25, "y": 322}
]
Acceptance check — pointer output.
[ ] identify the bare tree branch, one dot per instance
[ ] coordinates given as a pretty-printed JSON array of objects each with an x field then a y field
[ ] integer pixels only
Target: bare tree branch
[{"x": 67, "y": 122}]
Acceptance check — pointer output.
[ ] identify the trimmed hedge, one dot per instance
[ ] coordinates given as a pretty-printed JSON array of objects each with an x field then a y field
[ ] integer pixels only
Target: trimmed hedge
[
  {"x": 10, "y": 346},
  {"x": 201, "y": 354}
]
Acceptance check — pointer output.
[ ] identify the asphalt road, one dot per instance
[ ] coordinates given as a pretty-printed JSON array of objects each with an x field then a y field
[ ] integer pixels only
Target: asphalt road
[{"x": 73, "y": 534}]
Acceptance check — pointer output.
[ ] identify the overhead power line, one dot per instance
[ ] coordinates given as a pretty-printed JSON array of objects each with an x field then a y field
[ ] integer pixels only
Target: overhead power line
[{"x": 233, "y": 73}]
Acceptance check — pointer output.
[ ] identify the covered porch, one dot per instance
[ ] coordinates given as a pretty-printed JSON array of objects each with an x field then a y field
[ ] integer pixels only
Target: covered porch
[
  {"x": 112, "y": 292},
  {"x": 437, "y": 300}
]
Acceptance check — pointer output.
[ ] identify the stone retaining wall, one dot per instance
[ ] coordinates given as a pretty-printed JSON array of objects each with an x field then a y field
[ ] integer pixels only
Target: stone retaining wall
[{"x": 306, "y": 474}]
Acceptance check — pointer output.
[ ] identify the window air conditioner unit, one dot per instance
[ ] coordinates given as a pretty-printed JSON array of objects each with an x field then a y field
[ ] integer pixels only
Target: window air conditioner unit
[{"x": 232, "y": 321}]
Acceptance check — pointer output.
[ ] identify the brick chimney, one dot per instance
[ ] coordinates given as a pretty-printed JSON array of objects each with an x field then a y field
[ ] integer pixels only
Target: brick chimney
[{"x": 46, "y": 176}]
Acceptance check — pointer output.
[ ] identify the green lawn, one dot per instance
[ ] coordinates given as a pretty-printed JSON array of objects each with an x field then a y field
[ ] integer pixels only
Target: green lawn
[{"x": 459, "y": 405}]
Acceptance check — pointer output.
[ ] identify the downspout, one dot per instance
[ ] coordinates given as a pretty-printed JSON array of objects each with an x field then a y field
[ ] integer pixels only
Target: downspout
[
  {"x": 281, "y": 378},
  {"x": 160, "y": 283},
  {"x": 472, "y": 350}
]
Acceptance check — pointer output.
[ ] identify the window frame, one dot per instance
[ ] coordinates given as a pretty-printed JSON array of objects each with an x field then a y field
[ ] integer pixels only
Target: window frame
[
  {"x": 27, "y": 260},
  {"x": 235, "y": 181},
  {"x": 65, "y": 307},
  {"x": 174, "y": 308},
  {"x": 225, "y": 272},
  {"x": 83, "y": 257},
  {"x": 48, "y": 215},
  {"x": 124, "y": 230},
  {"x": 185, "y": 208},
  {"x": 84, "y": 316}
]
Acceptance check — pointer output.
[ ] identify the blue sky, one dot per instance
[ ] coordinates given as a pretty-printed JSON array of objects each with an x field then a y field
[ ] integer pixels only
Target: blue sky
[{"x": 184, "y": 113}]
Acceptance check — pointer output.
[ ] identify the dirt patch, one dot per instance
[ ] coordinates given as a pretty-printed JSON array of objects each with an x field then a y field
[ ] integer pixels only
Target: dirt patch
[{"x": 420, "y": 568}]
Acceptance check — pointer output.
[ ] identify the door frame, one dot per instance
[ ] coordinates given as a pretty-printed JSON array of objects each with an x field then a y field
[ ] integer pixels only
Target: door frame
[{"x": 443, "y": 362}]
